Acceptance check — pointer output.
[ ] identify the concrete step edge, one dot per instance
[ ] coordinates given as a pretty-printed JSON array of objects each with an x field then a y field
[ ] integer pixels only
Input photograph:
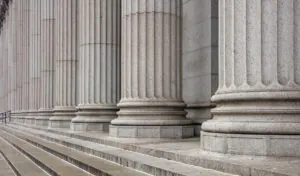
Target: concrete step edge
[
  {"x": 121, "y": 160},
  {"x": 208, "y": 163},
  {"x": 21, "y": 157},
  {"x": 16, "y": 172},
  {"x": 83, "y": 165},
  {"x": 35, "y": 159}
]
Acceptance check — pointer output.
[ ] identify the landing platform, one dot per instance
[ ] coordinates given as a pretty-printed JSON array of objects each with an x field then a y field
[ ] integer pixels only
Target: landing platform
[{"x": 187, "y": 151}]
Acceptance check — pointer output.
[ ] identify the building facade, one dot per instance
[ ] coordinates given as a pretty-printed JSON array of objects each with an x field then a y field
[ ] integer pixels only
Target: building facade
[{"x": 227, "y": 71}]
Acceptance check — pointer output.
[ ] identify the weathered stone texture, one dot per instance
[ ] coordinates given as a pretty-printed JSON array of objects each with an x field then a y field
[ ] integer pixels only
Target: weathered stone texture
[
  {"x": 259, "y": 88},
  {"x": 99, "y": 68},
  {"x": 66, "y": 63},
  {"x": 151, "y": 67}
]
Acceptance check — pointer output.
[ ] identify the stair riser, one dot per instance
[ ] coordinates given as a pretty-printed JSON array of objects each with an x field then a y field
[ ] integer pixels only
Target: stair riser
[
  {"x": 37, "y": 162},
  {"x": 196, "y": 161},
  {"x": 120, "y": 160},
  {"x": 73, "y": 161}
]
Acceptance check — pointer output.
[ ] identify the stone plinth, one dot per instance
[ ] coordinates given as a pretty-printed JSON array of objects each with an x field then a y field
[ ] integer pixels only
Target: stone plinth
[
  {"x": 258, "y": 100},
  {"x": 62, "y": 117}
]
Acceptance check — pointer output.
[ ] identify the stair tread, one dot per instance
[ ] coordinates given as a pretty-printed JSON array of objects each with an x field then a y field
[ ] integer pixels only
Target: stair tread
[
  {"x": 143, "y": 159},
  {"x": 57, "y": 165},
  {"x": 5, "y": 169},
  {"x": 21, "y": 163},
  {"x": 92, "y": 161}
]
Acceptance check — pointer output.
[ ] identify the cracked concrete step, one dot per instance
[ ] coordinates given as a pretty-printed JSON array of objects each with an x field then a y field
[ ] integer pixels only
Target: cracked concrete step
[
  {"x": 52, "y": 164},
  {"x": 18, "y": 162},
  {"x": 138, "y": 161},
  {"x": 90, "y": 163}
]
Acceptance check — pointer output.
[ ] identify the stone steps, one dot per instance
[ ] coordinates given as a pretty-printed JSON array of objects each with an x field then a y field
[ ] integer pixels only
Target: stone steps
[
  {"x": 89, "y": 163},
  {"x": 141, "y": 162},
  {"x": 20, "y": 164},
  {"x": 49, "y": 163},
  {"x": 5, "y": 167}
]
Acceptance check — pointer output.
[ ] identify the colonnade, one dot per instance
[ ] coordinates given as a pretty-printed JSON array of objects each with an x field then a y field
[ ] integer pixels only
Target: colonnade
[{"x": 116, "y": 65}]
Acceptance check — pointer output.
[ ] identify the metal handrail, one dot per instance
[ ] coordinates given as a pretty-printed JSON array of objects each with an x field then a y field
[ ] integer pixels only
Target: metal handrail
[{"x": 5, "y": 115}]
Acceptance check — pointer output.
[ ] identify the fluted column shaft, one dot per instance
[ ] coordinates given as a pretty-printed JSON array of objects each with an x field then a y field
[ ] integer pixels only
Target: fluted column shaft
[
  {"x": 1, "y": 74},
  {"x": 14, "y": 56},
  {"x": 151, "y": 70},
  {"x": 99, "y": 73},
  {"x": 19, "y": 39},
  {"x": 47, "y": 62},
  {"x": 5, "y": 65},
  {"x": 9, "y": 62},
  {"x": 19, "y": 57},
  {"x": 66, "y": 63},
  {"x": 2, "y": 87},
  {"x": 25, "y": 47},
  {"x": 34, "y": 60},
  {"x": 259, "y": 81}
]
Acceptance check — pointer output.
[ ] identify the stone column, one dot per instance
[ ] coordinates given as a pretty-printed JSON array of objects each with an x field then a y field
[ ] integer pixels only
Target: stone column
[
  {"x": 66, "y": 64},
  {"x": 99, "y": 73},
  {"x": 5, "y": 65},
  {"x": 19, "y": 57},
  {"x": 34, "y": 60},
  {"x": 258, "y": 100},
  {"x": 1, "y": 72},
  {"x": 9, "y": 62},
  {"x": 151, "y": 104},
  {"x": 47, "y": 63},
  {"x": 25, "y": 33},
  {"x": 200, "y": 58},
  {"x": 13, "y": 66}
]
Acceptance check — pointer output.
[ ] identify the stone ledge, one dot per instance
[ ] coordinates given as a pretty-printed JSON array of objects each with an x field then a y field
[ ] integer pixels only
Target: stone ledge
[
  {"x": 151, "y": 131},
  {"x": 124, "y": 158},
  {"x": 251, "y": 144},
  {"x": 92, "y": 126},
  {"x": 188, "y": 151}
]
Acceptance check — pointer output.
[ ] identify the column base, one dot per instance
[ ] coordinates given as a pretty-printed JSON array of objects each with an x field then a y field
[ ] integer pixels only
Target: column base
[
  {"x": 151, "y": 131},
  {"x": 199, "y": 113},
  {"x": 21, "y": 119},
  {"x": 30, "y": 118},
  {"x": 251, "y": 144},
  {"x": 62, "y": 117},
  {"x": 94, "y": 117},
  {"x": 197, "y": 129},
  {"x": 43, "y": 118},
  {"x": 14, "y": 117},
  {"x": 151, "y": 119}
]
